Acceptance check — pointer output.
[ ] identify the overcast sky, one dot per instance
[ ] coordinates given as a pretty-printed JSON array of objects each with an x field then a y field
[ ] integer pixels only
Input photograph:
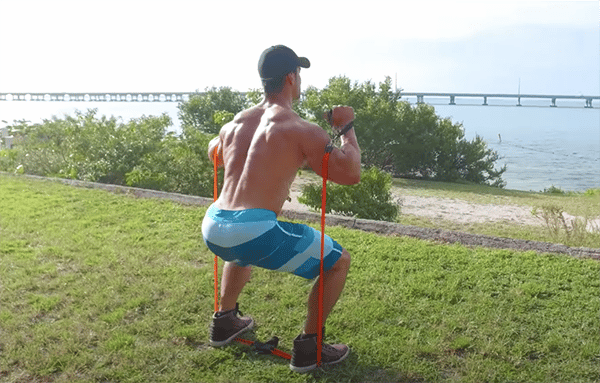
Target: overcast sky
[{"x": 552, "y": 47}]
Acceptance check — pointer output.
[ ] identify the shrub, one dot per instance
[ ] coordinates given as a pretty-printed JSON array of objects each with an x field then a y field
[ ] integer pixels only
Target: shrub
[
  {"x": 179, "y": 166},
  {"x": 8, "y": 160},
  {"x": 369, "y": 199},
  {"x": 39, "y": 149},
  {"x": 592, "y": 193},
  {"x": 410, "y": 141},
  {"x": 567, "y": 229},
  {"x": 87, "y": 147},
  {"x": 554, "y": 190},
  {"x": 204, "y": 112},
  {"x": 138, "y": 153}
]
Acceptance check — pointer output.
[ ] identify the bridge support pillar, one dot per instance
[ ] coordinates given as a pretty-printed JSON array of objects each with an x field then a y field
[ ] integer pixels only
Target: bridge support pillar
[
  {"x": 484, "y": 100},
  {"x": 553, "y": 104},
  {"x": 588, "y": 102},
  {"x": 420, "y": 99},
  {"x": 452, "y": 100}
]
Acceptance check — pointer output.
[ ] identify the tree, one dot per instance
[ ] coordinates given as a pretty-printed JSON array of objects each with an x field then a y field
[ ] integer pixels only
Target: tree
[
  {"x": 410, "y": 141},
  {"x": 376, "y": 115},
  {"x": 105, "y": 150},
  {"x": 88, "y": 147},
  {"x": 178, "y": 166},
  {"x": 181, "y": 165},
  {"x": 198, "y": 113},
  {"x": 40, "y": 149}
]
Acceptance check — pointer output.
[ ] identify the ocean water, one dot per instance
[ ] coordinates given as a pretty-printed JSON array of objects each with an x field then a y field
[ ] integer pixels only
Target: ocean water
[{"x": 541, "y": 146}]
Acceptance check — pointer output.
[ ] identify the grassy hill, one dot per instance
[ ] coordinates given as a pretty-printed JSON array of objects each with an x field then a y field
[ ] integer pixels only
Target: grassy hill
[{"x": 98, "y": 287}]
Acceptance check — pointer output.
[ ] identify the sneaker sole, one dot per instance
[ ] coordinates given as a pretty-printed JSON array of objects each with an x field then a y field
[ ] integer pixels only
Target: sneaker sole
[
  {"x": 303, "y": 370},
  {"x": 225, "y": 342}
]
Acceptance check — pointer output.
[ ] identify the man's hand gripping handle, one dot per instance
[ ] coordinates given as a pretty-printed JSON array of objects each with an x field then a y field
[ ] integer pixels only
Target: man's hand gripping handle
[{"x": 341, "y": 118}]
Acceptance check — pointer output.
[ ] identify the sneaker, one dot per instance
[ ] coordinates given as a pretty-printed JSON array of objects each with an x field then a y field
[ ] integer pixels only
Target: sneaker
[
  {"x": 227, "y": 325},
  {"x": 304, "y": 354}
]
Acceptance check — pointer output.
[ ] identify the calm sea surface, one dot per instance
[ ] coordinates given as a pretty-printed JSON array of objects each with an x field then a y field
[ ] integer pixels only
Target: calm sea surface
[{"x": 541, "y": 146}]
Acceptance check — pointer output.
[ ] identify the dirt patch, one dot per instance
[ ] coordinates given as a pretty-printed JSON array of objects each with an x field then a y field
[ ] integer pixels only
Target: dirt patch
[
  {"x": 465, "y": 212},
  {"x": 448, "y": 209},
  {"x": 444, "y": 236}
]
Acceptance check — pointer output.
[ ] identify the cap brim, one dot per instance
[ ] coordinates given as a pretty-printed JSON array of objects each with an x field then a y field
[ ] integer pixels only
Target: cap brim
[{"x": 303, "y": 62}]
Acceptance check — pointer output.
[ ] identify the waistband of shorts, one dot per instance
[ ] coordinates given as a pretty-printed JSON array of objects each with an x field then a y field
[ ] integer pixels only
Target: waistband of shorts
[{"x": 240, "y": 216}]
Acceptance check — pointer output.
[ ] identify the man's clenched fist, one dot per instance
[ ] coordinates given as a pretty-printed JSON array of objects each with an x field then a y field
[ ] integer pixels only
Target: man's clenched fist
[{"x": 339, "y": 116}]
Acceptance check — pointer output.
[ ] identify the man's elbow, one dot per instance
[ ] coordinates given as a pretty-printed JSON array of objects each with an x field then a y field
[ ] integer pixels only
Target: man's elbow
[
  {"x": 351, "y": 179},
  {"x": 355, "y": 179}
]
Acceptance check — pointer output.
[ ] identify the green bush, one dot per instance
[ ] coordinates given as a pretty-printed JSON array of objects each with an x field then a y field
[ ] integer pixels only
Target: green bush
[
  {"x": 179, "y": 166},
  {"x": 221, "y": 117},
  {"x": 394, "y": 136},
  {"x": 592, "y": 193},
  {"x": 554, "y": 190},
  {"x": 38, "y": 149},
  {"x": 410, "y": 141},
  {"x": 8, "y": 160},
  {"x": 204, "y": 112},
  {"x": 138, "y": 153},
  {"x": 369, "y": 199},
  {"x": 105, "y": 150},
  {"x": 86, "y": 147}
]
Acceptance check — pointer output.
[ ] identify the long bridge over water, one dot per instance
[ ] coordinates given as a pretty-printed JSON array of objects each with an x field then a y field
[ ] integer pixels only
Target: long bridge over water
[
  {"x": 485, "y": 96},
  {"x": 587, "y": 101}
]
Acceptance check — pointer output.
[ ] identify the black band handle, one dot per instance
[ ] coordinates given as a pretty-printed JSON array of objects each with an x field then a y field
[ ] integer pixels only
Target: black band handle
[{"x": 345, "y": 129}]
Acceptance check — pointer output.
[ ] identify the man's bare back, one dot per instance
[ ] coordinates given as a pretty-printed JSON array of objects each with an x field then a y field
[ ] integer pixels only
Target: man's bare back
[{"x": 262, "y": 150}]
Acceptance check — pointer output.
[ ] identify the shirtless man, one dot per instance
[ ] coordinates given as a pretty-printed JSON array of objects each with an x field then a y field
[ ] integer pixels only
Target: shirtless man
[{"x": 262, "y": 150}]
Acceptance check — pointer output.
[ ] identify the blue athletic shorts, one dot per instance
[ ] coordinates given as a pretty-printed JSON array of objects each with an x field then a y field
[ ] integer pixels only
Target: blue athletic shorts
[{"x": 256, "y": 237}]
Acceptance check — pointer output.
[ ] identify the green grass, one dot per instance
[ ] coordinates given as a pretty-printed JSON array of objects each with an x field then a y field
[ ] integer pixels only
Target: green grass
[{"x": 96, "y": 287}]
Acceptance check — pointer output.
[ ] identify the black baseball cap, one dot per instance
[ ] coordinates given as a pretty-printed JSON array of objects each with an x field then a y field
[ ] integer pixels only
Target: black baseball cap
[{"x": 279, "y": 60}]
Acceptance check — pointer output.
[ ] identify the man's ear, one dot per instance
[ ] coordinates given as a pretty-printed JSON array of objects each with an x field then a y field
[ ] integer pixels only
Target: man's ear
[{"x": 290, "y": 77}]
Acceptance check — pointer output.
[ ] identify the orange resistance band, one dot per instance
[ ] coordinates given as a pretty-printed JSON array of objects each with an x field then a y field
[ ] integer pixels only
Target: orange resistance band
[
  {"x": 323, "y": 204},
  {"x": 215, "y": 193},
  {"x": 325, "y": 174}
]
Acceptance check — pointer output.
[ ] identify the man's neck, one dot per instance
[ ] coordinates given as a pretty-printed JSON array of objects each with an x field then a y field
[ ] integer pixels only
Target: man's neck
[{"x": 282, "y": 99}]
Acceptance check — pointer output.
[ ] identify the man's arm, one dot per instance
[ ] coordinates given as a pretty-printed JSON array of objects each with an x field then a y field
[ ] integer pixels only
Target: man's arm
[
  {"x": 339, "y": 117},
  {"x": 216, "y": 143},
  {"x": 344, "y": 162},
  {"x": 348, "y": 160}
]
